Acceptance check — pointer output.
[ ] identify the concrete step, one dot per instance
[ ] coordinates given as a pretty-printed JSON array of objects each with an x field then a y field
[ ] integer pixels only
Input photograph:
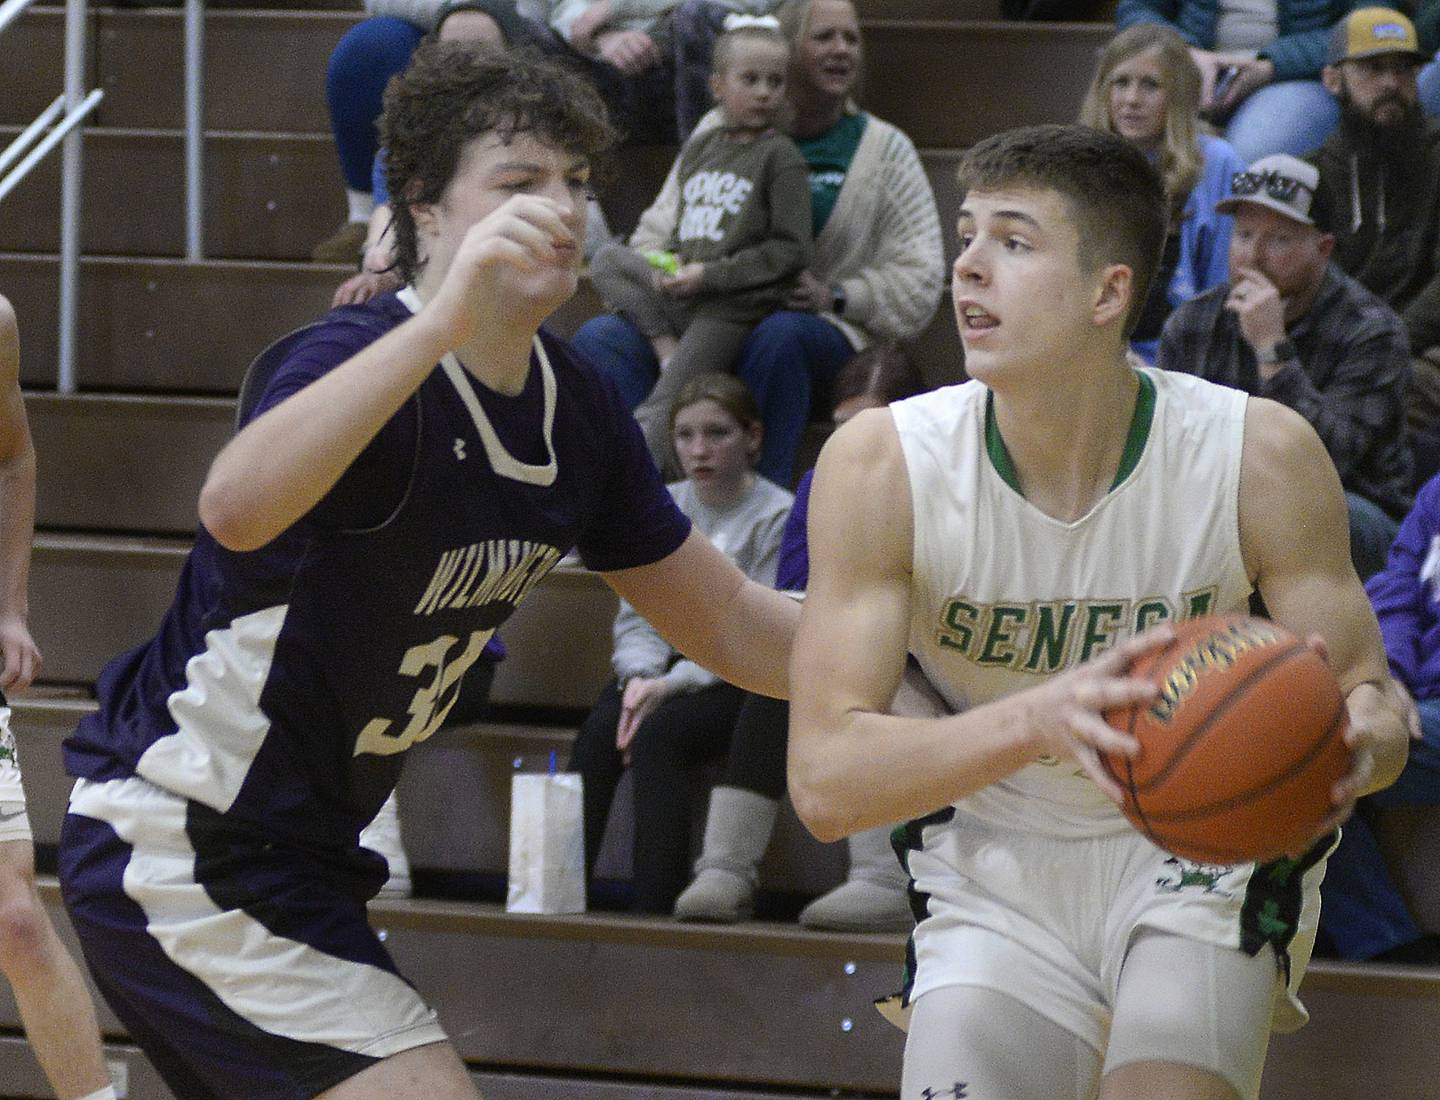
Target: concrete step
[
  {"x": 454, "y": 797},
  {"x": 137, "y": 57},
  {"x": 268, "y": 196},
  {"x": 169, "y": 326},
  {"x": 952, "y": 84},
  {"x": 124, "y": 462},
  {"x": 173, "y": 327},
  {"x": 94, "y": 596},
  {"x": 773, "y": 1010},
  {"x": 956, "y": 76},
  {"x": 20, "y": 1079}
]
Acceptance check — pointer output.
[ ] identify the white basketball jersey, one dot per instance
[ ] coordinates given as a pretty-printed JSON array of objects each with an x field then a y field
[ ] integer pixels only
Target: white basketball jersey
[{"x": 1004, "y": 595}]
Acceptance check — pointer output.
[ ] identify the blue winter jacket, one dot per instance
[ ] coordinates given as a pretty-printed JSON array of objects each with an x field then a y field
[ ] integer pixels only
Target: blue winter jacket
[
  {"x": 1299, "y": 52},
  {"x": 1406, "y": 597}
]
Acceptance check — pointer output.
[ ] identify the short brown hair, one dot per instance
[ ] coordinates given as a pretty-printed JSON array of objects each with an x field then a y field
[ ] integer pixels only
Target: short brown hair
[
  {"x": 726, "y": 390},
  {"x": 454, "y": 92},
  {"x": 1115, "y": 195},
  {"x": 883, "y": 371}
]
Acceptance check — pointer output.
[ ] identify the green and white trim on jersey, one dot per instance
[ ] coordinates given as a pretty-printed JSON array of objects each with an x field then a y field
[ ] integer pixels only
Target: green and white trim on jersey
[{"x": 1003, "y": 594}]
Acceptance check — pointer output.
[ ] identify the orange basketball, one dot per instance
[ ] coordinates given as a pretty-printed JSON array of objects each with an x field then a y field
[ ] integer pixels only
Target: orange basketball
[{"x": 1239, "y": 751}]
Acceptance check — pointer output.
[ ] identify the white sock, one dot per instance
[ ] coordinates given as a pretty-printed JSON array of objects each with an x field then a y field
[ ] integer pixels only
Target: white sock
[
  {"x": 107, "y": 1093},
  {"x": 362, "y": 205}
]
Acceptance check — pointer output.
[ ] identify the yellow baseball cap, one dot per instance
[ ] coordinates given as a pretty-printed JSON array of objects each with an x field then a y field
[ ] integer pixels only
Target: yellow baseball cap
[{"x": 1369, "y": 32}]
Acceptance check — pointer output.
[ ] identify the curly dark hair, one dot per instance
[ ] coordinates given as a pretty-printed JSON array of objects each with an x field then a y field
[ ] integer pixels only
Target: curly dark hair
[{"x": 454, "y": 92}]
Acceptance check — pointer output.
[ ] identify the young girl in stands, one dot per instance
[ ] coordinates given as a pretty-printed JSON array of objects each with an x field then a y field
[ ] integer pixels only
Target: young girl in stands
[
  {"x": 664, "y": 715},
  {"x": 877, "y": 268},
  {"x": 1147, "y": 90},
  {"x": 742, "y": 236},
  {"x": 746, "y": 801}
]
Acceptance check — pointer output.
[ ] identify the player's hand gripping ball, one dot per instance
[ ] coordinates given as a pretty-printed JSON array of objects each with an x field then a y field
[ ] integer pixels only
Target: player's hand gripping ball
[{"x": 1241, "y": 747}]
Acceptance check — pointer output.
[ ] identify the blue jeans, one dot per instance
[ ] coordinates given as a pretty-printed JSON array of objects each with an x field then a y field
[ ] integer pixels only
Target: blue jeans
[
  {"x": 1429, "y": 80},
  {"x": 364, "y": 60},
  {"x": 1293, "y": 116},
  {"x": 1361, "y": 910},
  {"x": 788, "y": 362},
  {"x": 695, "y": 24},
  {"x": 1371, "y": 533},
  {"x": 622, "y": 353}
]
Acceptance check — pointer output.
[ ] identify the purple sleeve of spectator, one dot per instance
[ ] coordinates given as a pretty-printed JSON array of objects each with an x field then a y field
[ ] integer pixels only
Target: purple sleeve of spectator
[
  {"x": 793, "y": 572},
  {"x": 1401, "y": 596}
]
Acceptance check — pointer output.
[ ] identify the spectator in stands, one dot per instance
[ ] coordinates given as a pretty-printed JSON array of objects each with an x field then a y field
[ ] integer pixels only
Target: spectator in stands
[
  {"x": 744, "y": 805},
  {"x": 362, "y": 63},
  {"x": 54, "y": 1004},
  {"x": 1380, "y": 172},
  {"x": 1291, "y": 326},
  {"x": 1147, "y": 90},
  {"x": 458, "y": 21},
  {"x": 878, "y": 267},
  {"x": 742, "y": 236},
  {"x": 410, "y": 470},
  {"x": 1363, "y": 915},
  {"x": 1427, "y": 26},
  {"x": 663, "y": 715},
  {"x": 1259, "y": 63}
]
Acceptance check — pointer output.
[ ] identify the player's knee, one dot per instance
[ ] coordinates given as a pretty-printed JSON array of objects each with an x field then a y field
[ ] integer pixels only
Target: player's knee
[{"x": 24, "y": 930}]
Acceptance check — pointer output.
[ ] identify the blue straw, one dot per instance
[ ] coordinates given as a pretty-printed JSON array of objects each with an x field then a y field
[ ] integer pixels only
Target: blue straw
[{"x": 552, "y": 761}]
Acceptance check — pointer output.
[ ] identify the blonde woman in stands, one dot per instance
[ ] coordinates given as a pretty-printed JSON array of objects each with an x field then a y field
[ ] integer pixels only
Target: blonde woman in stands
[
  {"x": 1147, "y": 90},
  {"x": 54, "y": 1004},
  {"x": 664, "y": 716},
  {"x": 1260, "y": 63},
  {"x": 406, "y": 472},
  {"x": 877, "y": 269}
]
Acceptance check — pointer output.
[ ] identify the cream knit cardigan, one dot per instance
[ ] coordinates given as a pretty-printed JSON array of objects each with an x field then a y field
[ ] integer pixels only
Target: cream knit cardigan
[{"x": 881, "y": 243}]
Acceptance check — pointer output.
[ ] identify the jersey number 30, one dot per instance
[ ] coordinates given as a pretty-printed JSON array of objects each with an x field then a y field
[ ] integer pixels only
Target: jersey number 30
[{"x": 432, "y": 700}]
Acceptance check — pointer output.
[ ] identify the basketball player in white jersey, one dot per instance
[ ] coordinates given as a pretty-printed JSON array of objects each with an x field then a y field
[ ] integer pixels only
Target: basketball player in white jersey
[
  {"x": 1025, "y": 536},
  {"x": 49, "y": 990}
]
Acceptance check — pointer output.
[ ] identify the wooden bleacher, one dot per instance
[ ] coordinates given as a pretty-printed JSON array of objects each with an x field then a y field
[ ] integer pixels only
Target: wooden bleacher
[{"x": 594, "y": 1007}]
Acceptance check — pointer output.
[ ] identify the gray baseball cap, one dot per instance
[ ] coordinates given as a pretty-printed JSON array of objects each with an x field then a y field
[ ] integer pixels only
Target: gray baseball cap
[{"x": 1281, "y": 182}]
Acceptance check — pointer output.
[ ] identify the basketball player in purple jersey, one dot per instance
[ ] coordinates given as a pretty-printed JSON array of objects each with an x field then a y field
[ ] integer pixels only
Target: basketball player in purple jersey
[{"x": 411, "y": 468}]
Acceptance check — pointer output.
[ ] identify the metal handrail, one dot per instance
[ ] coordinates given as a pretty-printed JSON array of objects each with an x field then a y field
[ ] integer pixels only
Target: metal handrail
[
  {"x": 76, "y": 106},
  {"x": 52, "y": 139},
  {"x": 194, "y": 135},
  {"x": 17, "y": 147},
  {"x": 10, "y": 11}
]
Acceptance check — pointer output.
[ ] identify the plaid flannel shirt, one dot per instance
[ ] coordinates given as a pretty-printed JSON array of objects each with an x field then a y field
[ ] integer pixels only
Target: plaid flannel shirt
[{"x": 1347, "y": 376}]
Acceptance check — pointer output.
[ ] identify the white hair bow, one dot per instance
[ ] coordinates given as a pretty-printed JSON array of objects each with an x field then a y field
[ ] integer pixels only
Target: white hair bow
[{"x": 736, "y": 20}]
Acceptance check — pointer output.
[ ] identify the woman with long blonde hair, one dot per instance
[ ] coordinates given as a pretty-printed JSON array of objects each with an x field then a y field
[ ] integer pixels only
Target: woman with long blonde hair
[{"x": 1147, "y": 89}]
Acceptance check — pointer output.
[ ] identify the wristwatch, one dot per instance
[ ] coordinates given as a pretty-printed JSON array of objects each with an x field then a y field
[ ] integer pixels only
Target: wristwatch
[{"x": 837, "y": 299}]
